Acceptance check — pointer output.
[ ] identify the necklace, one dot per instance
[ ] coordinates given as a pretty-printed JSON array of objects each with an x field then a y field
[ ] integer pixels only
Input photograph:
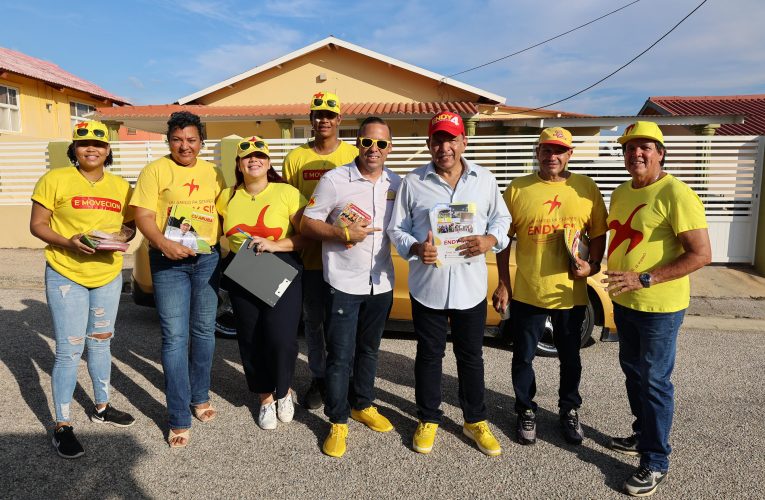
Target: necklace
[{"x": 92, "y": 182}]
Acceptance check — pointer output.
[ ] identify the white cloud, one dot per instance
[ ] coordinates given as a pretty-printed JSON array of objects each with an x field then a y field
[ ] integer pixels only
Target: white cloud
[{"x": 136, "y": 82}]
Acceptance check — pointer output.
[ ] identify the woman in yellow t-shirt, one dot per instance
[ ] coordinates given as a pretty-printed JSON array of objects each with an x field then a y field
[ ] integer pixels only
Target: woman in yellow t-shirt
[
  {"x": 82, "y": 284},
  {"x": 262, "y": 212},
  {"x": 170, "y": 192}
]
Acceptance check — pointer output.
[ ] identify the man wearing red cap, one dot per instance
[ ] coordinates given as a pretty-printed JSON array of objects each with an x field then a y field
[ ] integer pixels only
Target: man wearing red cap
[
  {"x": 548, "y": 282},
  {"x": 453, "y": 293}
]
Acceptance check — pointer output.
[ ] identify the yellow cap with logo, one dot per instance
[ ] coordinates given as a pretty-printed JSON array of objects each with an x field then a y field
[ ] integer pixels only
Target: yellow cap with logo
[
  {"x": 556, "y": 135},
  {"x": 90, "y": 131},
  {"x": 642, "y": 130},
  {"x": 325, "y": 101},
  {"x": 252, "y": 145}
]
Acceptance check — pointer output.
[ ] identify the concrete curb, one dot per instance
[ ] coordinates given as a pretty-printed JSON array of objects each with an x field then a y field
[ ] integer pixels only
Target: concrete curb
[{"x": 723, "y": 323}]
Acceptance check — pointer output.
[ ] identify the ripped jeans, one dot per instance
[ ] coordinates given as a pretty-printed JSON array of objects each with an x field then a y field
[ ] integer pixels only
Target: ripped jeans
[{"x": 78, "y": 314}]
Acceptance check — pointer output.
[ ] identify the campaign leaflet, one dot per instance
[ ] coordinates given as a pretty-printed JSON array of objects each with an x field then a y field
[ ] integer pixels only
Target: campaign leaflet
[
  {"x": 449, "y": 222},
  {"x": 577, "y": 244},
  {"x": 350, "y": 214},
  {"x": 106, "y": 241},
  {"x": 184, "y": 224}
]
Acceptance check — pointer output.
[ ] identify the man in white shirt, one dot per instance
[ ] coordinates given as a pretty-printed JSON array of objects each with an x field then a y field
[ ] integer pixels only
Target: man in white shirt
[
  {"x": 453, "y": 293},
  {"x": 347, "y": 212}
]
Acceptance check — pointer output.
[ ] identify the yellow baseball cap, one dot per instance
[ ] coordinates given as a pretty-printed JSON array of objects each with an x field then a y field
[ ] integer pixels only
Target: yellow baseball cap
[
  {"x": 90, "y": 131},
  {"x": 556, "y": 135},
  {"x": 252, "y": 145},
  {"x": 642, "y": 130},
  {"x": 325, "y": 100}
]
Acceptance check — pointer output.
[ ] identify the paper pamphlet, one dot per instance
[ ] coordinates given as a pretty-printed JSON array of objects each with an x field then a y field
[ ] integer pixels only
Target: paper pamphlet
[
  {"x": 184, "y": 225},
  {"x": 577, "y": 244},
  {"x": 101, "y": 240},
  {"x": 449, "y": 222},
  {"x": 350, "y": 214}
]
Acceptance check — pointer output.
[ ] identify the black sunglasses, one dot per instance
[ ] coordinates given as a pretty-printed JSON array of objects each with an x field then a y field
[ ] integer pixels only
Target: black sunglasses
[
  {"x": 82, "y": 132},
  {"x": 367, "y": 142},
  {"x": 244, "y": 146},
  {"x": 330, "y": 102}
]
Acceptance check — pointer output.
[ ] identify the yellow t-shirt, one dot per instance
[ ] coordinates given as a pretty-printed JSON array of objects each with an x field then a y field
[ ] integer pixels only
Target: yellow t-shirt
[
  {"x": 540, "y": 211},
  {"x": 644, "y": 225},
  {"x": 163, "y": 183},
  {"x": 303, "y": 168},
  {"x": 80, "y": 206},
  {"x": 266, "y": 214}
]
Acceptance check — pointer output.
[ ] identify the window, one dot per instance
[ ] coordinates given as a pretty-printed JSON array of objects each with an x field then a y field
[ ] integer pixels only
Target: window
[
  {"x": 131, "y": 131},
  {"x": 80, "y": 112},
  {"x": 9, "y": 109}
]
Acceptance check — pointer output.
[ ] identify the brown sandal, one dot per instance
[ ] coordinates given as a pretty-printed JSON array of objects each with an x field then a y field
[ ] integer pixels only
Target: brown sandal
[
  {"x": 173, "y": 439},
  {"x": 205, "y": 414}
]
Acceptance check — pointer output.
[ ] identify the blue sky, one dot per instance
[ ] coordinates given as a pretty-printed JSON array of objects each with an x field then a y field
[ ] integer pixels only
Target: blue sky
[{"x": 156, "y": 51}]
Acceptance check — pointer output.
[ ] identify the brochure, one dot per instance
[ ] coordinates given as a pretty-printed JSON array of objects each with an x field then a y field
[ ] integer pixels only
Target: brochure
[
  {"x": 184, "y": 225},
  {"x": 102, "y": 240},
  {"x": 577, "y": 244},
  {"x": 449, "y": 222},
  {"x": 350, "y": 214}
]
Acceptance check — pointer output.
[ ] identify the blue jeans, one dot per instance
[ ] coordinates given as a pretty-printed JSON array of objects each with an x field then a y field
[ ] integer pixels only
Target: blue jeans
[
  {"x": 315, "y": 291},
  {"x": 355, "y": 324},
  {"x": 647, "y": 344},
  {"x": 186, "y": 294},
  {"x": 528, "y": 324},
  {"x": 467, "y": 326},
  {"x": 79, "y": 313}
]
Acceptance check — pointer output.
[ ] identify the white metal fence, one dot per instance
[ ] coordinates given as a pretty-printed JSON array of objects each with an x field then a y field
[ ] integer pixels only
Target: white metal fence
[{"x": 725, "y": 171}]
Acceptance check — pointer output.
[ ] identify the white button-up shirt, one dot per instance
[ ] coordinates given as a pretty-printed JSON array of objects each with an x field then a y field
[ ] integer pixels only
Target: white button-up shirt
[
  {"x": 459, "y": 286},
  {"x": 366, "y": 267}
]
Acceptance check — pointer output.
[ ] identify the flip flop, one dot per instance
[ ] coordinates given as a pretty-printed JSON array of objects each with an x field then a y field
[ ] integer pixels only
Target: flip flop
[
  {"x": 204, "y": 414},
  {"x": 184, "y": 434}
]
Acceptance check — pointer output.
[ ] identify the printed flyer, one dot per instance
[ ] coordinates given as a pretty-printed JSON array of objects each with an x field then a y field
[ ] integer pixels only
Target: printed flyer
[
  {"x": 449, "y": 222},
  {"x": 184, "y": 226}
]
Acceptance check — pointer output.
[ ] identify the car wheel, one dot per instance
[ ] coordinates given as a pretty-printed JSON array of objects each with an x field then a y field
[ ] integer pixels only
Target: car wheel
[
  {"x": 546, "y": 345},
  {"x": 224, "y": 318}
]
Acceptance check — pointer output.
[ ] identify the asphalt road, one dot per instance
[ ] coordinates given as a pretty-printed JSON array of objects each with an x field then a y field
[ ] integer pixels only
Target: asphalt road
[{"x": 718, "y": 436}]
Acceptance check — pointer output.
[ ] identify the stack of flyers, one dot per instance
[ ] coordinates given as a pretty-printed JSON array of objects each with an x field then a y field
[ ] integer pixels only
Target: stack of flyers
[
  {"x": 577, "y": 244},
  {"x": 350, "y": 214},
  {"x": 100, "y": 240},
  {"x": 184, "y": 226}
]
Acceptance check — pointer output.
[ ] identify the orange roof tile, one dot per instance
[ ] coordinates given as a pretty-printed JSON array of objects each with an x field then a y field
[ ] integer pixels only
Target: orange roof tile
[{"x": 752, "y": 106}]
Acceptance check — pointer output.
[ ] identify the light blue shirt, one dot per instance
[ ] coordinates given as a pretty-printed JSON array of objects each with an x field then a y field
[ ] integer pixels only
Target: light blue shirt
[{"x": 459, "y": 286}]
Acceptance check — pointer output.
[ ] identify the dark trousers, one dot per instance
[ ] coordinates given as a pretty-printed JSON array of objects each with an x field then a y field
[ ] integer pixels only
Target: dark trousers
[
  {"x": 267, "y": 335},
  {"x": 528, "y": 324},
  {"x": 467, "y": 328},
  {"x": 355, "y": 324}
]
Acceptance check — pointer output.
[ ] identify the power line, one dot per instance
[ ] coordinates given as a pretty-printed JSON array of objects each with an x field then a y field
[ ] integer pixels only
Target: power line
[
  {"x": 622, "y": 66},
  {"x": 544, "y": 41}
]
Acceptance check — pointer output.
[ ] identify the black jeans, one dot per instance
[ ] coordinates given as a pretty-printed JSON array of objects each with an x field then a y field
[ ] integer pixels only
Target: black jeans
[
  {"x": 528, "y": 323},
  {"x": 467, "y": 328},
  {"x": 267, "y": 335}
]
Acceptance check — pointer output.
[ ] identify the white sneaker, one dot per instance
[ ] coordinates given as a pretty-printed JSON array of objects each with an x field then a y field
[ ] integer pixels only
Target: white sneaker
[
  {"x": 267, "y": 416},
  {"x": 285, "y": 408}
]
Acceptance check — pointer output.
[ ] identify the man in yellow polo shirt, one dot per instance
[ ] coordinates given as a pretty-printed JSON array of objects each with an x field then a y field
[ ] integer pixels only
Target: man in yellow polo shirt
[
  {"x": 303, "y": 167},
  {"x": 547, "y": 283},
  {"x": 658, "y": 237}
]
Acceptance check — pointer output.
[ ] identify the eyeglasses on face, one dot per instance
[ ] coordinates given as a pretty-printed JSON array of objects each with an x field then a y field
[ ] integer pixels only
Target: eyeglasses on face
[
  {"x": 367, "y": 142},
  {"x": 244, "y": 146},
  {"x": 330, "y": 102},
  {"x": 82, "y": 132}
]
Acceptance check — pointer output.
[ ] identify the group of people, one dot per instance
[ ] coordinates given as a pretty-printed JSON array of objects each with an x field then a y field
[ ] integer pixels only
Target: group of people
[{"x": 333, "y": 216}]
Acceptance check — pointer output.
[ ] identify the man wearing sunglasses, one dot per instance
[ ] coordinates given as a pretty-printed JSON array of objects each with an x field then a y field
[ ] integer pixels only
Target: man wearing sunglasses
[
  {"x": 347, "y": 212},
  {"x": 454, "y": 292},
  {"x": 303, "y": 167}
]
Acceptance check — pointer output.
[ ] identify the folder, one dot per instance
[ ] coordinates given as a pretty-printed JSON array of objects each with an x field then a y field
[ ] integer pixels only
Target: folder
[{"x": 264, "y": 275}]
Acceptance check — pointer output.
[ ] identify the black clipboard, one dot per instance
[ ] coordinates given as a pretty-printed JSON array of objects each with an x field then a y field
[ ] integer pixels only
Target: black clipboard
[{"x": 264, "y": 275}]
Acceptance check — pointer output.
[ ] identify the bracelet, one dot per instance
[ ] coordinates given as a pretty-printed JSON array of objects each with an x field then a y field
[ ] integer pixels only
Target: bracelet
[{"x": 347, "y": 234}]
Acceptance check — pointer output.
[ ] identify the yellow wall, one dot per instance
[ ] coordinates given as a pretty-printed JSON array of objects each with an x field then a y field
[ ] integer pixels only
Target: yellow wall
[
  {"x": 352, "y": 76},
  {"x": 37, "y": 122},
  {"x": 267, "y": 129}
]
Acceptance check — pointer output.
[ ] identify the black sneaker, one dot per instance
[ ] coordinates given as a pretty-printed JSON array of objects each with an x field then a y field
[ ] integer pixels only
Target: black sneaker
[
  {"x": 570, "y": 427},
  {"x": 627, "y": 446},
  {"x": 66, "y": 444},
  {"x": 314, "y": 398},
  {"x": 526, "y": 427},
  {"x": 643, "y": 482},
  {"x": 111, "y": 415}
]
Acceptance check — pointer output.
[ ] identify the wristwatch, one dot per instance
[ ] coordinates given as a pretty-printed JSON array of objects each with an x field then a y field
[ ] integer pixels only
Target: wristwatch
[{"x": 645, "y": 280}]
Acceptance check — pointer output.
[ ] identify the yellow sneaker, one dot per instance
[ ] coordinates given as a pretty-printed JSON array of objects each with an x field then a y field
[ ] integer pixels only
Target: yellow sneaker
[
  {"x": 480, "y": 433},
  {"x": 334, "y": 445},
  {"x": 424, "y": 437},
  {"x": 370, "y": 417}
]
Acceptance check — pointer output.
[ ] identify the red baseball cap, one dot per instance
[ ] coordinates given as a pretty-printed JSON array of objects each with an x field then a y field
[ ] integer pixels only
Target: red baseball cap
[{"x": 447, "y": 121}]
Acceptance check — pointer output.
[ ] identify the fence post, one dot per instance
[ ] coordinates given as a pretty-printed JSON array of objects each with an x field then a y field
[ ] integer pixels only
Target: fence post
[
  {"x": 759, "y": 240},
  {"x": 228, "y": 157},
  {"x": 57, "y": 154}
]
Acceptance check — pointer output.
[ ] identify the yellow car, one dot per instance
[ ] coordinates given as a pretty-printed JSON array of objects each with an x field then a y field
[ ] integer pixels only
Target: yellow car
[{"x": 599, "y": 310}]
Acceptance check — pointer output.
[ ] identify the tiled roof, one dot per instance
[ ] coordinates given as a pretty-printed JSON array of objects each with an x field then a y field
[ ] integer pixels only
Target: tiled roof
[
  {"x": 22, "y": 64},
  {"x": 751, "y": 106}
]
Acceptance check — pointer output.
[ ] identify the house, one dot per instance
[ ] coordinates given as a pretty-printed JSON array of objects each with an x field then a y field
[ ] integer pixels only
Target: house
[
  {"x": 271, "y": 100},
  {"x": 751, "y": 107},
  {"x": 41, "y": 101}
]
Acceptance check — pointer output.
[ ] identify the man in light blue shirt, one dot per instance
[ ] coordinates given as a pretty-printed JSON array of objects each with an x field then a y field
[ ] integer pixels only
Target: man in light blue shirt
[{"x": 453, "y": 292}]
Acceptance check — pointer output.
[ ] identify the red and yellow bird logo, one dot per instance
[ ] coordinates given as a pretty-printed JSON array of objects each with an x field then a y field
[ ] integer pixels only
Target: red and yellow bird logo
[
  {"x": 319, "y": 95},
  {"x": 312, "y": 201},
  {"x": 192, "y": 187},
  {"x": 259, "y": 229},
  {"x": 554, "y": 203},
  {"x": 623, "y": 232}
]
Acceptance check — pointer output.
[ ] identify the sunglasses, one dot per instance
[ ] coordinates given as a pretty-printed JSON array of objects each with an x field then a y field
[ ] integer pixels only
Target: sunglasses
[
  {"x": 367, "y": 142},
  {"x": 244, "y": 146},
  {"x": 82, "y": 132},
  {"x": 330, "y": 102}
]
